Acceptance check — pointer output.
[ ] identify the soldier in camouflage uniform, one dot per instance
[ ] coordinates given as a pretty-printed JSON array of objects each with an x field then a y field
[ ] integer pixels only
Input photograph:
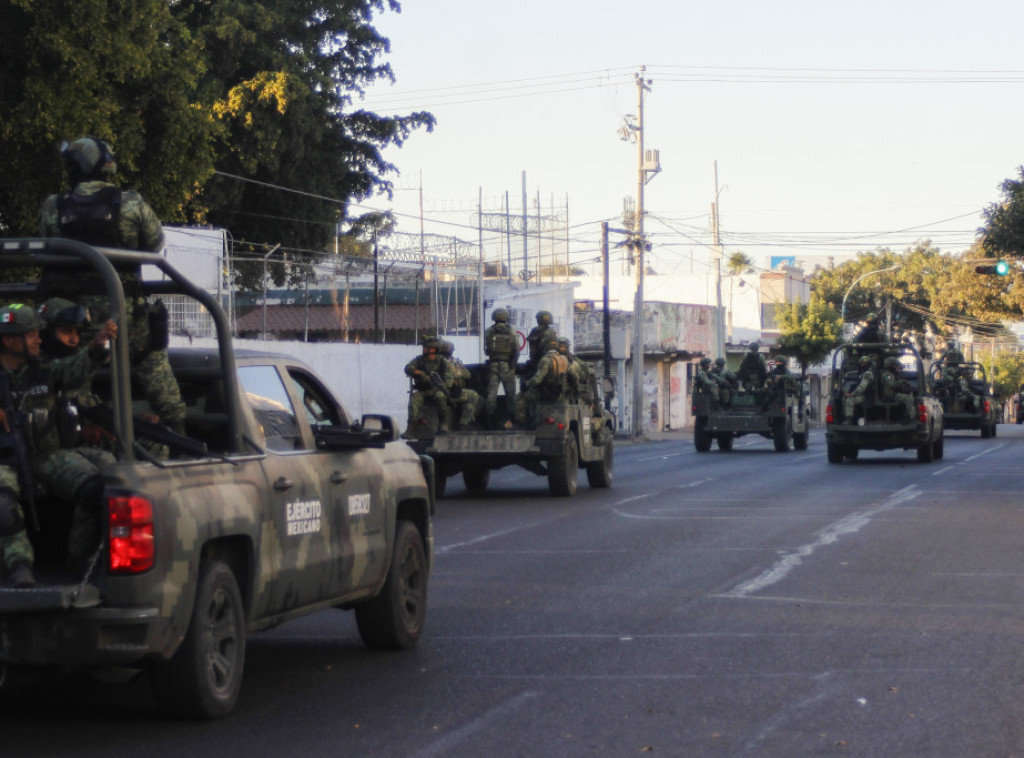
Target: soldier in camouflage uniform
[
  {"x": 894, "y": 388},
  {"x": 33, "y": 388},
  {"x": 781, "y": 379},
  {"x": 728, "y": 384},
  {"x": 467, "y": 401},
  {"x": 100, "y": 213},
  {"x": 969, "y": 399},
  {"x": 704, "y": 383},
  {"x": 546, "y": 385},
  {"x": 501, "y": 345},
  {"x": 538, "y": 340},
  {"x": 857, "y": 395},
  {"x": 419, "y": 369},
  {"x": 753, "y": 368}
]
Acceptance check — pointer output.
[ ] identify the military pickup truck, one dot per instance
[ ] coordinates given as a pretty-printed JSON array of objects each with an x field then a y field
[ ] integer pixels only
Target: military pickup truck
[
  {"x": 273, "y": 504},
  {"x": 562, "y": 439},
  {"x": 782, "y": 415},
  {"x": 877, "y": 419},
  {"x": 978, "y": 409}
]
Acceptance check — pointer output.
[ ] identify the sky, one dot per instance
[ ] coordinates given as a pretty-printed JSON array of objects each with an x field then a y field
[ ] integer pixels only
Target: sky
[{"x": 837, "y": 127}]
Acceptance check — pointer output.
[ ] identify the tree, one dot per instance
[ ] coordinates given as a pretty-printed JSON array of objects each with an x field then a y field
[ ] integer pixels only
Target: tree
[
  {"x": 809, "y": 331},
  {"x": 125, "y": 72},
  {"x": 1003, "y": 233},
  {"x": 282, "y": 78},
  {"x": 739, "y": 263}
]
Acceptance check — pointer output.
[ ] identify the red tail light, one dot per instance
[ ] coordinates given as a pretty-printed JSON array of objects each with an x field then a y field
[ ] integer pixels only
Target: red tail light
[
  {"x": 132, "y": 549},
  {"x": 922, "y": 413},
  {"x": 829, "y": 415},
  {"x": 986, "y": 407}
]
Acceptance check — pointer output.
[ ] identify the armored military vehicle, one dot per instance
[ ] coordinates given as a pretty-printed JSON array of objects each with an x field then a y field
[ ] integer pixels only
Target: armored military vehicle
[
  {"x": 904, "y": 416},
  {"x": 978, "y": 408},
  {"x": 561, "y": 438},
  {"x": 274, "y": 503},
  {"x": 779, "y": 414}
]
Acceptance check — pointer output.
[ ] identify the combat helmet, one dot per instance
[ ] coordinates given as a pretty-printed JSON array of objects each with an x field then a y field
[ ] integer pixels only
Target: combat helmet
[
  {"x": 445, "y": 348},
  {"x": 864, "y": 360},
  {"x": 19, "y": 318},
  {"x": 563, "y": 342},
  {"x": 543, "y": 318},
  {"x": 705, "y": 362},
  {"x": 754, "y": 346},
  {"x": 500, "y": 316},
  {"x": 88, "y": 159},
  {"x": 720, "y": 361},
  {"x": 60, "y": 312}
]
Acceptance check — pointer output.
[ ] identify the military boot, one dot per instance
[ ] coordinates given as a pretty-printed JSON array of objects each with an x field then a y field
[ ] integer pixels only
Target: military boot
[{"x": 21, "y": 575}]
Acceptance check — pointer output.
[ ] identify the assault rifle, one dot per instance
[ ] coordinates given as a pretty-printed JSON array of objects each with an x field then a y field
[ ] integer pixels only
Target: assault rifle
[
  {"x": 14, "y": 447},
  {"x": 438, "y": 384}
]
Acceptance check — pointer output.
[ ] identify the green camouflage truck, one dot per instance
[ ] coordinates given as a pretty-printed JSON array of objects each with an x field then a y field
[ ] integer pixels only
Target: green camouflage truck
[
  {"x": 562, "y": 439},
  {"x": 981, "y": 411},
  {"x": 782, "y": 416},
  {"x": 877, "y": 421},
  {"x": 273, "y": 504}
]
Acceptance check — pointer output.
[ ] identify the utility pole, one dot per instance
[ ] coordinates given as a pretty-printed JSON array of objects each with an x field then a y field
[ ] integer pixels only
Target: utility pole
[
  {"x": 639, "y": 245},
  {"x": 717, "y": 253},
  {"x": 606, "y": 321}
]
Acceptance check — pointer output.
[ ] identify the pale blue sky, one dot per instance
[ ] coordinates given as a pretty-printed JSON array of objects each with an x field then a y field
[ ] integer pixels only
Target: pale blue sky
[{"x": 810, "y": 162}]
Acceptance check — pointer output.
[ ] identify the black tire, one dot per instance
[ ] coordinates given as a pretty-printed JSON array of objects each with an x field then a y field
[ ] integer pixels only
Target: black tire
[
  {"x": 203, "y": 677},
  {"x": 782, "y": 434},
  {"x": 394, "y": 619},
  {"x": 800, "y": 440},
  {"x": 476, "y": 478},
  {"x": 939, "y": 448},
  {"x": 440, "y": 481},
  {"x": 725, "y": 442},
  {"x": 926, "y": 453},
  {"x": 851, "y": 453},
  {"x": 600, "y": 473},
  {"x": 986, "y": 431},
  {"x": 564, "y": 470},
  {"x": 834, "y": 452},
  {"x": 701, "y": 436}
]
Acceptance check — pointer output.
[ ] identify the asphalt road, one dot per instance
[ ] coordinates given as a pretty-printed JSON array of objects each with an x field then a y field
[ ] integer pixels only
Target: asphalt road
[{"x": 744, "y": 603}]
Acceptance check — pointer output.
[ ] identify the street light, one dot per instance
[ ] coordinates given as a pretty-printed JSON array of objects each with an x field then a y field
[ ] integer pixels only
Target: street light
[{"x": 842, "y": 310}]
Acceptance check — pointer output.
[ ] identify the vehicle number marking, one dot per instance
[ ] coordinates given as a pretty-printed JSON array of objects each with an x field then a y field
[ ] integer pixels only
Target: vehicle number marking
[
  {"x": 359, "y": 505},
  {"x": 303, "y": 517}
]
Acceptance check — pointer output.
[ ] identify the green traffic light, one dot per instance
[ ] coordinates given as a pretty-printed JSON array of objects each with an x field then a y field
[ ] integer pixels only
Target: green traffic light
[{"x": 1002, "y": 268}]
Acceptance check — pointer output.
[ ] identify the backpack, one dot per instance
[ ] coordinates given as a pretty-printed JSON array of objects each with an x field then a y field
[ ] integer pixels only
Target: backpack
[
  {"x": 501, "y": 343},
  {"x": 93, "y": 219}
]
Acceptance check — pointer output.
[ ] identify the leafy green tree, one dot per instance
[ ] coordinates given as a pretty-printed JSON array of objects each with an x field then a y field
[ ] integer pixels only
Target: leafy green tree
[
  {"x": 1003, "y": 233},
  {"x": 739, "y": 263},
  {"x": 122, "y": 71},
  {"x": 1008, "y": 373},
  {"x": 808, "y": 331}
]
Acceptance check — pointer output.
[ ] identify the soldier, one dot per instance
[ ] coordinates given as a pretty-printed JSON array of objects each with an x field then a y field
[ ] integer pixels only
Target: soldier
[
  {"x": 546, "y": 385},
  {"x": 781, "y": 380},
  {"x": 704, "y": 383},
  {"x": 870, "y": 331},
  {"x": 100, "y": 213},
  {"x": 432, "y": 379},
  {"x": 466, "y": 400},
  {"x": 501, "y": 345},
  {"x": 538, "y": 340},
  {"x": 727, "y": 381},
  {"x": 952, "y": 355},
  {"x": 894, "y": 388},
  {"x": 856, "y": 396},
  {"x": 32, "y": 389},
  {"x": 580, "y": 381},
  {"x": 970, "y": 399},
  {"x": 753, "y": 368}
]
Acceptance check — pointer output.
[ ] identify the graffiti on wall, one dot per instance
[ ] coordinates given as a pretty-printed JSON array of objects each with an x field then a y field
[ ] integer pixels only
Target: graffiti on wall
[{"x": 667, "y": 328}]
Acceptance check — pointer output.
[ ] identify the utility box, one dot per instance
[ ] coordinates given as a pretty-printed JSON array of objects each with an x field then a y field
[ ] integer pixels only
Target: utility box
[{"x": 619, "y": 344}]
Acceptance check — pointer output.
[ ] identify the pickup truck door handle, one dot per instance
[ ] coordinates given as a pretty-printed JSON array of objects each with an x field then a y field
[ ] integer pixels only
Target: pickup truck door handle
[
  {"x": 338, "y": 478},
  {"x": 283, "y": 483}
]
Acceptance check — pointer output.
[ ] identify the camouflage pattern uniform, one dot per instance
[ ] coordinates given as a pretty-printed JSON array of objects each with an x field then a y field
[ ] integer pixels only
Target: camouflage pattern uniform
[
  {"x": 893, "y": 388},
  {"x": 419, "y": 370},
  {"x": 547, "y": 384},
  {"x": 538, "y": 341},
  {"x": 97, "y": 212},
  {"x": 501, "y": 345},
  {"x": 704, "y": 383},
  {"x": 966, "y": 391},
  {"x": 781, "y": 379},
  {"x": 753, "y": 368},
  {"x": 857, "y": 394},
  {"x": 727, "y": 381},
  {"x": 14, "y": 543},
  {"x": 466, "y": 400}
]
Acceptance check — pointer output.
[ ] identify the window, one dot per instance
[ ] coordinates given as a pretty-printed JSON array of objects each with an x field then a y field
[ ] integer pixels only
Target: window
[
  {"x": 320, "y": 408},
  {"x": 266, "y": 394}
]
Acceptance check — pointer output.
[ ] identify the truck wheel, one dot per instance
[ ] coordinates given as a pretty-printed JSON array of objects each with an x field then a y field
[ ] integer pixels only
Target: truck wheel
[
  {"x": 599, "y": 473},
  {"x": 440, "y": 481},
  {"x": 938, "y": 447},
  {"x": 476, "y": 478},
  {"x": 782, "y": 434},
  {"x": 986, "y": 431},
  {"x": 203, "y": 677},
  {"x": 834, "y": 452},
  {"x": 394, "y": 619},
  {"x": 800, "y": 440},
  {"x": 926, "y": 453},
  {"x": 725, "y": 442},
  {"x": 564, "y": 470},
  {"x": 701, "y": 435}
]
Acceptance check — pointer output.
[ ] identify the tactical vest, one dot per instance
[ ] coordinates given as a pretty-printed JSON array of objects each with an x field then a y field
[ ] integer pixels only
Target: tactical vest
[
  {"x": 501, "y": 343},
  {"x": 91, "y": 218}
]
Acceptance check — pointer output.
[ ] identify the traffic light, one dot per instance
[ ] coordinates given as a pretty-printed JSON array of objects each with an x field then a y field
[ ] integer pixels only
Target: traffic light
[{"x": 999, "y": 268}]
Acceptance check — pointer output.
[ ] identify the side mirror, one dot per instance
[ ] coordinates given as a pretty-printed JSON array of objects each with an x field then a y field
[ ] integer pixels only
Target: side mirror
[{"x": 608, "y": 387}]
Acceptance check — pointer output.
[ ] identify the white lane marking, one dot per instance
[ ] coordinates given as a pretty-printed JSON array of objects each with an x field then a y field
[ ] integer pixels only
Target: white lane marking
[
  {"x": 662, "y": 457},
  {"x": 484, "y": 538},
  {"x": 986, "y": 451},
  {"x": 941, "y": 471},
  {"x": 693, "y": 484},
  {"x": 452, "y": 742},
  {"x": 848, "y": 525}
]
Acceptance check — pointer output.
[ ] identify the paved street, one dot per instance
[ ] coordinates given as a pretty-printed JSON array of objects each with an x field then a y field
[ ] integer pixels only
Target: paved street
[{"x": 744, "y": 603}]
